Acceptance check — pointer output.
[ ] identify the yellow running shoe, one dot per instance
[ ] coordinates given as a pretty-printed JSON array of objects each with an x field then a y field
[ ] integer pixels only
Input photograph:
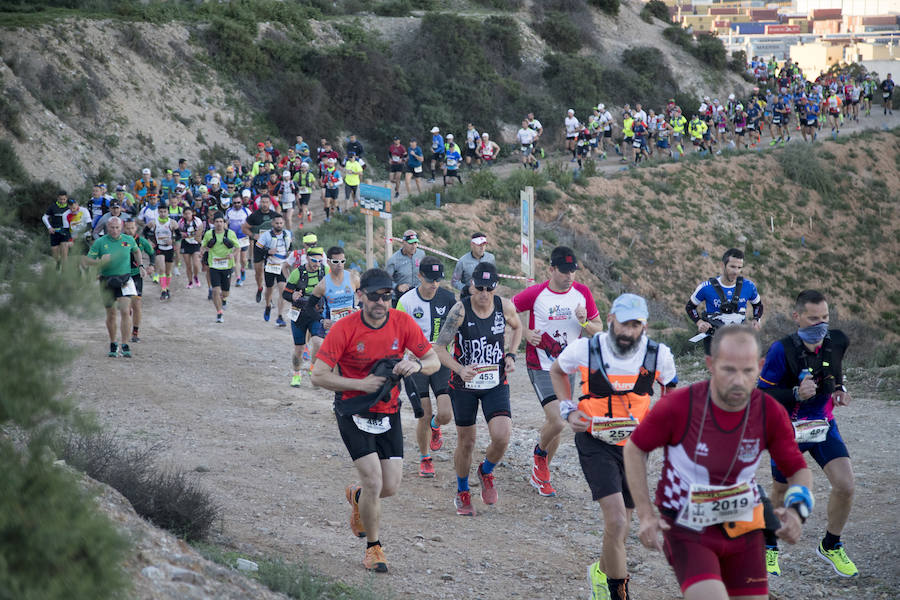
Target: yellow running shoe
[
  {"x": 772, "y": 567},
  {"x": 598, "y": 583},
  {"x": 296, "y": 379},
  {"x": 842, "y": 565}
]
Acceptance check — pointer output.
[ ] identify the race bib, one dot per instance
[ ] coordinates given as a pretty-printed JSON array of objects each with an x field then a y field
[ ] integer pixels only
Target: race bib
[
  {"x": 395, "y": 158},
  {"x": 738, "y": 129},
  {"x": 244, "y": 242},
  {"x": 613, "y": 430},
  {"x": 129, "y": 288},
  {"x": 273, "y": 268},
  {"x": 812, "y": 431},
  {"x": 294, "y": 314},
  {"x": 372, "y": 425},
  {"x": 417, "y": 169},
  {"x": 636, "y": 143},
  {"x": 714, "y": 504},
  {"x": 886, "y": 95},
  {"x": 340, "y": 313},
  {"x": 220, "y": 263},
  {"x": 486, "y": 377}
]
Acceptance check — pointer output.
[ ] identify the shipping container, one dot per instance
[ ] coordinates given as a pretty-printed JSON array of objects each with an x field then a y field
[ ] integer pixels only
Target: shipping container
[
  {"x": 782, "y": 29},
  {"x": 819, "y": 14}
]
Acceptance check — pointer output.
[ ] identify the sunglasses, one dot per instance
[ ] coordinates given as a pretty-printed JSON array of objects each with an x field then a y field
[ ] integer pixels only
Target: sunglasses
[
  {"x": 335, "y": 261},
  {"x": 376, "y": 296},
  {"x": 486, "y": 288},
  {"x": 316, "y": 261}
]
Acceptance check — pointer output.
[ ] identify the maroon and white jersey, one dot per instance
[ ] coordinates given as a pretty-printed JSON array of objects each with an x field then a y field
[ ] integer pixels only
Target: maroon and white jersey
[
  {"x": 708, "y": 447},
  {"x": 553, "y": 314}
]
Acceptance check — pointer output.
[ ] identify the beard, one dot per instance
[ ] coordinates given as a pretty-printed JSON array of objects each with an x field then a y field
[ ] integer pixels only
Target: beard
[{"x": 623, "y": 345}]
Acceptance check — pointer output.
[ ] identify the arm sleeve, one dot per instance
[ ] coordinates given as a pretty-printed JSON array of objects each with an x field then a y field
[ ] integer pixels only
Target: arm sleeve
[
  {"x": 774, "y": 378},
  {"x": 665, "y": 366},
  {"x": 780, "y": 439},
  {"x": 46, "y": 219}
]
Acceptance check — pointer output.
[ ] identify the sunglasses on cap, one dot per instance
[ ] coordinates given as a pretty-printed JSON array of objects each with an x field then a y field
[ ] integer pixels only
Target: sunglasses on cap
[
  {"x": 316, "y": 261},
  {"x": 336, "y": 261},
  {"x": 376, "y": 296},
  {"x": 486, "y": 288}
]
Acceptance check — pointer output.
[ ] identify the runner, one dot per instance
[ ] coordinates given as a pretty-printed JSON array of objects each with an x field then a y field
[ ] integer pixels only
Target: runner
[
  {"x": 57, "y": 227},
  {"x": 606, "y": 122},
  {"x": 257, "y": 223},
  {"x": 353, "y": 169},
  {"x": 869, "y": 88},
  {"x": 809, "y": 118},
  {"x": 803, "y": 371},
  {"x": 191, "y": 228},
  {"x": 136, "y": 302},
  {"x": 678, "y": 123},
  {"x": 467, "y": 263},
  {"x": 78, "y": 222},
  {"x": 300, "y": 285},
  {"x": 539, "y": 129},
  {"x": 286, "y": 190},
  {"x": 698, "y": 131},
  {"x": 571, "y": 126},
  {"x": 222, "y": 252},
  {"x": 556, "y": 312},
  {"x": 437, "y": 151},
  {"x": 275, "y": 243},
  {"x": 710, "y": 510},
  {"x": 429, "y": 305},
  {"x": 526, "y": 136},
  {"x": 337, "y": 289},
  {"x": 115, "y": 252},
  {"x": 485, "y": 332},
  {"x": 618, "y": 369},
  {"x": 727, "y": 294},
  {"x": 396, "y": 156},
  {"x": 487, "y": 149},
  {"x": 473, "y": 139},
  {"x": 305, "y": 181},
  {"x": 403, "y": 265},
  {"x": 833, "y": 102},
  {"x": 331, "y": 182},
  {"x": 373, "y": 434},
  {"x": 415, "y": 165},
  {"x": 887, "y": 94},
  {"x": 164, "y": 230}
]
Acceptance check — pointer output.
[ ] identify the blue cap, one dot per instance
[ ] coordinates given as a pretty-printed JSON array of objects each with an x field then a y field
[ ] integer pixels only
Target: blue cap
[{"x": 629, "y": 307}]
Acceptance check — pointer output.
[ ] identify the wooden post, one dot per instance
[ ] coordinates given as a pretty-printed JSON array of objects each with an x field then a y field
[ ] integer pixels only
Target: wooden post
[
  {"x": 388, "y": 234},
  {"x": 526, "y": 199},
  {"x": 370, "y": 256}
]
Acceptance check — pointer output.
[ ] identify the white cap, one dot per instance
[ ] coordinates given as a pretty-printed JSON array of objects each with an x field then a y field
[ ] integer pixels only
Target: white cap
[
  {"x": 571, "y": 111},
  {"x": 245, "y": 194},
  {"x": 484, "y": 134},
  {"x": 435, "y": 129},
  {"x": 731, "y": 96},
  {"x": 706, "y": 98},
  {"x": 286, "y": 174},
  {"x": 215, "y": 179},
  {"x": 145, "y": 171},
  {"x": 304, "y": 165},
  {"x": 449, "y": 136},
  {"x": 601, "y": 106}
]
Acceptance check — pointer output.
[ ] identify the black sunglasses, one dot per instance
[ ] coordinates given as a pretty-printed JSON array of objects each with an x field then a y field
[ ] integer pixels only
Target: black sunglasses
[
  {"x": 486, "y": 288},
  {"x": 376, "y": 296}
]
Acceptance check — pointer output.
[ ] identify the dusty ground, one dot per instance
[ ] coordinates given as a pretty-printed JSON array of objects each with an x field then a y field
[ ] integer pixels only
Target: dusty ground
[{"x": 217, "y": 397}]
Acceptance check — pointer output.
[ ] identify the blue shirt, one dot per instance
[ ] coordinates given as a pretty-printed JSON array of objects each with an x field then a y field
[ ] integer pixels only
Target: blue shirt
[
  {"x": 453, "y": 159},
  {"x": 775, "y": 374},
  {"x": 437, "y": 143},
  {"x": 185, "y": 175},
  {"x": 415, "y": 157},
  {"x": 706, "y": 293}
]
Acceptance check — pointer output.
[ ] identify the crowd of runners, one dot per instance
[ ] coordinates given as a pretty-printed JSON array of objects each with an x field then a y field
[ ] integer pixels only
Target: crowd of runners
[{"x": 365, "y": 336}]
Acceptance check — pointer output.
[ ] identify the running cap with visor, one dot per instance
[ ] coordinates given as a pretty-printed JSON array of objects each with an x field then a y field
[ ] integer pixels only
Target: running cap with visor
[
  {"x": 629, "y": 307},
  {"x": 563, "y": 258},
  {"x": 479, "y": 238},
  {"x": 431, "y": 269},
  {"x": 310, "y": 238},
  {"x": 410, "y": 237},
  {"x": 485, "y": 274},
  {"x": 374, "y": 280}
]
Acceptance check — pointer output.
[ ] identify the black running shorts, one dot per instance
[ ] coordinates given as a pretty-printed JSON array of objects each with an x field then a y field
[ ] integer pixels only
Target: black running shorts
[
  {"x": 494, "y": 403},
  {"x": 220, "y": 278},
  {"x": 438, "y": 382},
  {"x": 362, "y": 443},
  {"x": 603, "y": 467}
]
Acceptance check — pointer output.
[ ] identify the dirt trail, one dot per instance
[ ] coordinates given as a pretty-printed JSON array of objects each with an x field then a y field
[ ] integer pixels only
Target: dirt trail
[{"x": 217, "y": 397}]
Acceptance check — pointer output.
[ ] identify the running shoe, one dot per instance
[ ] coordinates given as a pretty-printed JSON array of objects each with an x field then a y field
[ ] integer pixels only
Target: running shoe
[
  {"x": 239, "y": 282},
  {"x": 437, "y": 439},
  {"x": 488, "y": 491},
  {"x": 541, "y": 469},
  {"x": 243, "y": 276},
  {"x": 113, "y": 350},
  {"x": 773, "y": 142},
  {"x": 305, "y": 357},
  {"x": 598, "y": 583},
  {"x": 209, "y": 294},
  {"x": 135, "y": 339},
  {"x": 463, "y": 503},
  {"x": 220, "y": 318},
  {"x": 259, "y": 295},
  {"x": 267, "y": 313},
  {"x": 224, "y": 304},
  {"x": 772, "y": 567},
  {"x": 296, "y": 379},
  {"x": 309, "y": 217},
  {"x": 426, "y": 468},
  {"x": 356, "y": 524},
  {"x": 196, "y": 282},
  {"x": 177, "y": 272},
  {"x": 190, "y": 285},
  {"x": 125, "y": 351},
  {"x": 432, "y": 179},
  {"x": 543, "y": 487},
  {"x": 162, "y": 295},
  {"x": 842, "y": 565},
  {"x": 280, "y": 322},
  {"x": 375, "y": 560},
  {"x": 155, "y": 278}
]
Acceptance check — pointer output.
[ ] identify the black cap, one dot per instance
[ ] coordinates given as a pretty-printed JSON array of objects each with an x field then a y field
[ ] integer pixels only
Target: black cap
[
  {"x": 485, "y": 274},
  {"x": 115, "y": 203},
  {"x": 563, "y": 259},
  {"x": 374, "y": 280},
  {"x": 431, "y": 269}
]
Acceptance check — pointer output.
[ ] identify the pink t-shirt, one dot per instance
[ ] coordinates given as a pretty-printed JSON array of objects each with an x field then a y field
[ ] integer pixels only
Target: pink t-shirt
[{"x": 553, "y": 314}]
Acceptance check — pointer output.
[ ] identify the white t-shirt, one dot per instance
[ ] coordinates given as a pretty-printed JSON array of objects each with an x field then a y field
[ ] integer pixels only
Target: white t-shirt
[
  {"x": 572, "y": 126},
  {"x": 472, "y": 137},
  {"x": 606, "y": 120},
  {"x": 526, "y": 136},
  {"x": 640, "y": 115},
  {"x": 575, "y": 356}
]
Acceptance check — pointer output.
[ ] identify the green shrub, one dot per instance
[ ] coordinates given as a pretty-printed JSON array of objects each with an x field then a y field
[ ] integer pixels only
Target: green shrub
[
  {"x": 805, "y": 169},
  {"x": 502, "y": 4},
  {"x": 11, "y": 167},
  {"x": 571, "y": 78},
  {"x": 559, "y": 32},
  {"x": 610, "y": 7},
  {"x": 392, "y": 8},
  {"x": 10, "y": 101},
  {"x": 658, "y": 9},
  {"x": 678, "y": 36},
  {"x": 710, "y": 51}
]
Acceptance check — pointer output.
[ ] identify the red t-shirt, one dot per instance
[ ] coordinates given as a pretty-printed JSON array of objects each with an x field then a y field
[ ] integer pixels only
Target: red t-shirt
[{"x": 355, "y": 347}]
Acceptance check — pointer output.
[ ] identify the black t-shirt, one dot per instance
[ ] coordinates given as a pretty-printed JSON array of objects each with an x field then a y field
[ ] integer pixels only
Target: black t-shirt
[
  {"x": 55, "y": 215},
  {"x": 260, "y": 221}
]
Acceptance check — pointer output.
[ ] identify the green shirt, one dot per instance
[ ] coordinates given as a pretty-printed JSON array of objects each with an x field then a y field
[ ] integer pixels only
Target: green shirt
[
  {"x": 220, "y": 250},
  {"x": 119, "y": 251},
  {"x": 144, "y": 245}
]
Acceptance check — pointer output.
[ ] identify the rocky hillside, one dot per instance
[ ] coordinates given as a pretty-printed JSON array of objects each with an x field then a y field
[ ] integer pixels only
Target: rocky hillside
[{"x": 84, "y": 96}]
